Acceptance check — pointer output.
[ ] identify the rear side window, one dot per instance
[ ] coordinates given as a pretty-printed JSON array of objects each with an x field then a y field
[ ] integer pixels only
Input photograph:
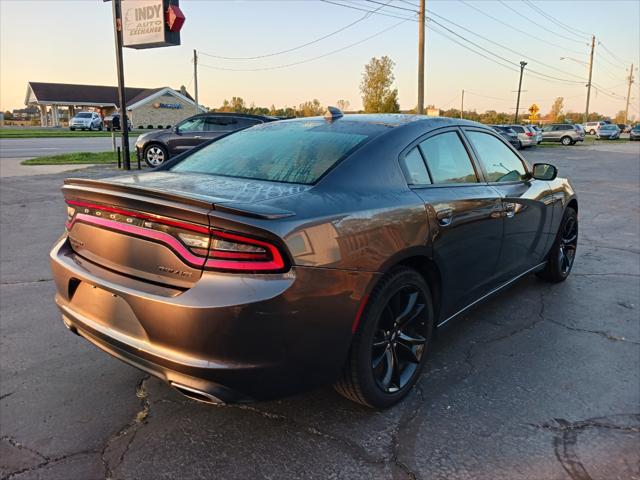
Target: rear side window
[
  {"x": 518, "y": 129},
  {"x": 447, "y": 159},
  {"x": 414, "y": 169},
  {"x": 500, "y": 163},
  {"x": 293, "y": 152}
]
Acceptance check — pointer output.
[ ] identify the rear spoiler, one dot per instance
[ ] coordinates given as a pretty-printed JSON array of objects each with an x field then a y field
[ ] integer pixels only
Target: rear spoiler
[{"x": 105, "y": 189}]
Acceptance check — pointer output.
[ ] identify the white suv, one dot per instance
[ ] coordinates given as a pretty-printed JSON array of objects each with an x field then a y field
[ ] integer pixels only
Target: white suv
[
  {"x": 86, "y": 121},
  {"x": 592, "y": 127}
]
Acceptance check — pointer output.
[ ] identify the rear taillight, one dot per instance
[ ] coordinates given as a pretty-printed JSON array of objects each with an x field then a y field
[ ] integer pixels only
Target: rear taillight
[
  {"x": 230, "y": 251},
  {"x": 529, "y": 134},
  {"x": 197, "y": 245}
]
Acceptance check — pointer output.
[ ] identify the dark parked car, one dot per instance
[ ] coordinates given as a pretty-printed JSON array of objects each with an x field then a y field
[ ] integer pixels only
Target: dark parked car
[
  {"x": 634, "y": 134},
  {"x": 608, "y": 132},
  {"x": 157, "y": 147},
  {"x": 509, "y": 135},
  {"x": 624, "y": 128},
  {"x": 112, "y": 122},
  {"x": 307, "y": 251},
  {"x": 565, "y": 133}
]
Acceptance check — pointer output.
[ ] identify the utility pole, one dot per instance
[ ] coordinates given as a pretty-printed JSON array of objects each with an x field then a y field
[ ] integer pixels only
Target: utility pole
[
  {"x": 586, "y": 110},
  {"x": 462, "y": 104},
  {"x": 626, "y": 110},
  {"x": 421, "y": 58},
  {"x": 124, "y": 121},
  {"x": 195, "y": 78},
  {"x": 522, "y": 65}
]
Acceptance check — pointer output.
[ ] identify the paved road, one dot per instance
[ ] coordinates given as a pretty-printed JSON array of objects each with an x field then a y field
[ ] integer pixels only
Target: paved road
[
  {"x": 38, "y": 147},
  {"x": 540, "y": 383}
]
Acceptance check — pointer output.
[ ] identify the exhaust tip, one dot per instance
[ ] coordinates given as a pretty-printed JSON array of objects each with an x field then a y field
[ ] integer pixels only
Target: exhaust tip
[{"x": 197, "y": 395}]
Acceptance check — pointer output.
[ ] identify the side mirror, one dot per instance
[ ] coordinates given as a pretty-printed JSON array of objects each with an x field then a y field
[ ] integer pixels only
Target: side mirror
[{"x": 544, "y": 171}]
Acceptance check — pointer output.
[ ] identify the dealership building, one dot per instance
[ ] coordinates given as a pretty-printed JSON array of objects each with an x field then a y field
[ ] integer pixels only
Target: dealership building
[{"x": 146, "y": 107}]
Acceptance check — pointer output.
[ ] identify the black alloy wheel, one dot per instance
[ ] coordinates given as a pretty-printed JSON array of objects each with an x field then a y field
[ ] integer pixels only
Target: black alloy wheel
[
  {"x": 563, "y": 252},
  {"x": 390, "y": 345},
  {"x": 398, "y": 342}
]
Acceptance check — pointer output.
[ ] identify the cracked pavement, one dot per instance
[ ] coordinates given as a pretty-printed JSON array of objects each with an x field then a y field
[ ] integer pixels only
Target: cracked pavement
[{"x": 540, "y": 382}]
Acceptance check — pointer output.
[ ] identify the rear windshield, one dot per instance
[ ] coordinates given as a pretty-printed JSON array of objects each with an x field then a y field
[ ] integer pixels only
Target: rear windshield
[
  {"x": 608, "y": 127},
  {"x": 293, "y": 152}
]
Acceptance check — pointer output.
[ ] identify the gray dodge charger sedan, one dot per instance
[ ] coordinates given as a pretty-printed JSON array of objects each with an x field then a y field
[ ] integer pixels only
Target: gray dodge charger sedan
[{"x": 308, "y": 251}]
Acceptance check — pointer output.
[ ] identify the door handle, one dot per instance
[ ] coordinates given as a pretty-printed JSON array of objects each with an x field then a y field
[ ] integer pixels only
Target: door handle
[
  {"x": 445, "y": 217},
  {"x": 197, "y": 136},
  {"x": 510, "y": 209}
]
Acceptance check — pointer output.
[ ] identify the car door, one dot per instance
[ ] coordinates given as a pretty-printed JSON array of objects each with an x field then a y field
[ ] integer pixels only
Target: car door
[
  {"x": 527, "y": 203},
  {"x": 464, "y": 214},
  {"x": 186, "y": 135},
  {"x": 216, "y": 126}
]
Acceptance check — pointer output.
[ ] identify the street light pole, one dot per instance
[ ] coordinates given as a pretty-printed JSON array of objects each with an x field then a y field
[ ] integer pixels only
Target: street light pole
[
  {"x": 195, "y": 78},
  {"x": 522, "y": 65},
  {"x": 124, "y": 122},
  {"x": 462, "y": 104}
]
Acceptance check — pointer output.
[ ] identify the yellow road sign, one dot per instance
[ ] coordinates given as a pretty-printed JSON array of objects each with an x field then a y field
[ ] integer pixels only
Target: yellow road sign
[{"x": 534, "y": 109}]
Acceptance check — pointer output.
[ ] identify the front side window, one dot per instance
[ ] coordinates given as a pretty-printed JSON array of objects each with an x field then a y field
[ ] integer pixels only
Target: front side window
[
  {"x": 499, "y": 162},
  {"x": 192, "y": 125},
  {"x": 294, "y": 152},
  {"x": 447, "y": 159},
  {"x": 414, "y": 169}
]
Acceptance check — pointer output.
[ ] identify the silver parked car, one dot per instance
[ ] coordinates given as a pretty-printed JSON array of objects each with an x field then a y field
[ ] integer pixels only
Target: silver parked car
[
  {"x": 86, "y": 121},
  {"x": 565, "y": 133},
  {"x": 538, "y": 132},
  {"x": 608, "y": 132},
  {"x": 526, "y": 135}
]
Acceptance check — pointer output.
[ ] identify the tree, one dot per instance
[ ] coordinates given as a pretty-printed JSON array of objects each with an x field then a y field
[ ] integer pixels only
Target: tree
[
  {"x": 377, "y": 80},
  {"x": 343, "y": 105},
  {"x": 556, "y": 114},
  {"x": 310, "y": 109},
  {"x": 620, "y": 117},
  {"x": 8, "y": 115}
]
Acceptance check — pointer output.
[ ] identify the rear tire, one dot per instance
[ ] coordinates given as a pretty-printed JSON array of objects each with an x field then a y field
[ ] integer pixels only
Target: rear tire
[
  {"x": 72, "y": 129},
  {"x": 390, "y": 346},
  {"x": 563, "y": 251}
]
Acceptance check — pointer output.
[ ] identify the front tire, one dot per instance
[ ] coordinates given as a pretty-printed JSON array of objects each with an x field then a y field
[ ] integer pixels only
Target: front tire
[
  {"x": 563, "y": 251},
  {"x": 389, "y": 347},
  {"x": 566, "y": 141},
  {"x": 155, "y": 155}
]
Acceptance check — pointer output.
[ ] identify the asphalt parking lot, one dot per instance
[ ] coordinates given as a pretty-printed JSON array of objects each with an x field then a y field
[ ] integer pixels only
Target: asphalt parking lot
[{"x": 541, "y": 382}]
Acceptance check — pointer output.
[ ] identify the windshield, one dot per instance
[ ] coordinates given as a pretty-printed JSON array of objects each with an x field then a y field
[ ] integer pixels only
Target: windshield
[
  {"x": 83, "y": 115},
  {"x": 293, "y": 152},
  {"x": 608, "y": 127}
]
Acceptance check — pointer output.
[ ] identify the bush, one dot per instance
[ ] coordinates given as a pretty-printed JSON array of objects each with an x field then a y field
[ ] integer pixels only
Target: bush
[
  {"x": 140, "y": 127},
  {"x": 168, "y": 126},
  {"x": 160, "y": 127},
  {"x": 150, "y": 127}
]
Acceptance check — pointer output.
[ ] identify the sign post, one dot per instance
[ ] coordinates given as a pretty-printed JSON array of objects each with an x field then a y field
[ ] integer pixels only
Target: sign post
[
  {"x": 122, "y": 99},
  {"x": 141, "y": 24}
]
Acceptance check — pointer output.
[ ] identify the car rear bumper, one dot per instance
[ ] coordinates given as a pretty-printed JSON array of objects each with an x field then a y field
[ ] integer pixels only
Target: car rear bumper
[{"x": 230, "y": 337}]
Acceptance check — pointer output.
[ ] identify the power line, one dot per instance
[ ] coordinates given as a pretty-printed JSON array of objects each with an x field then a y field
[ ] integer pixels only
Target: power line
[
  {"x": 622, "y": 62},
  {"x": 564, "y": 26},
  {"x": 541, "y": 26},
  {"x": 505, "y": 47},
  {"x": 353, "y": 7},
  {"x": 364, "y": 17},
  {"x": 393, "y": 6},
  {"x": 501, "y": 57},
  {"x": 518, "y": 30},
  {"x": 277, "y": 67}
]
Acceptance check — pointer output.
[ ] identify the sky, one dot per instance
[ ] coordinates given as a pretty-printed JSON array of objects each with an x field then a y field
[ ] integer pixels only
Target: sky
[{"x": 72, "y": 42}]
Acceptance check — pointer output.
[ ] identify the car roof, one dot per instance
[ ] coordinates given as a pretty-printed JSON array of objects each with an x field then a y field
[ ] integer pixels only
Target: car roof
[{"x": 234, "y": 114}]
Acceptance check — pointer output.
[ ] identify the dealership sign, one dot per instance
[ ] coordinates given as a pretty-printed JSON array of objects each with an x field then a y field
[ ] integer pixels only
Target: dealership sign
[
  {"x": 175, "y": 106},
  {"x": 151, "y": 23}
]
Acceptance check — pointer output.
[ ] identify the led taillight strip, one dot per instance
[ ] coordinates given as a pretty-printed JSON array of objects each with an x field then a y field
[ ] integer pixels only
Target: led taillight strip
[
  {"x": 142, "y": 216},
  {"x": 134, "y": 230},
  {"x": 218, "y": 259}
]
